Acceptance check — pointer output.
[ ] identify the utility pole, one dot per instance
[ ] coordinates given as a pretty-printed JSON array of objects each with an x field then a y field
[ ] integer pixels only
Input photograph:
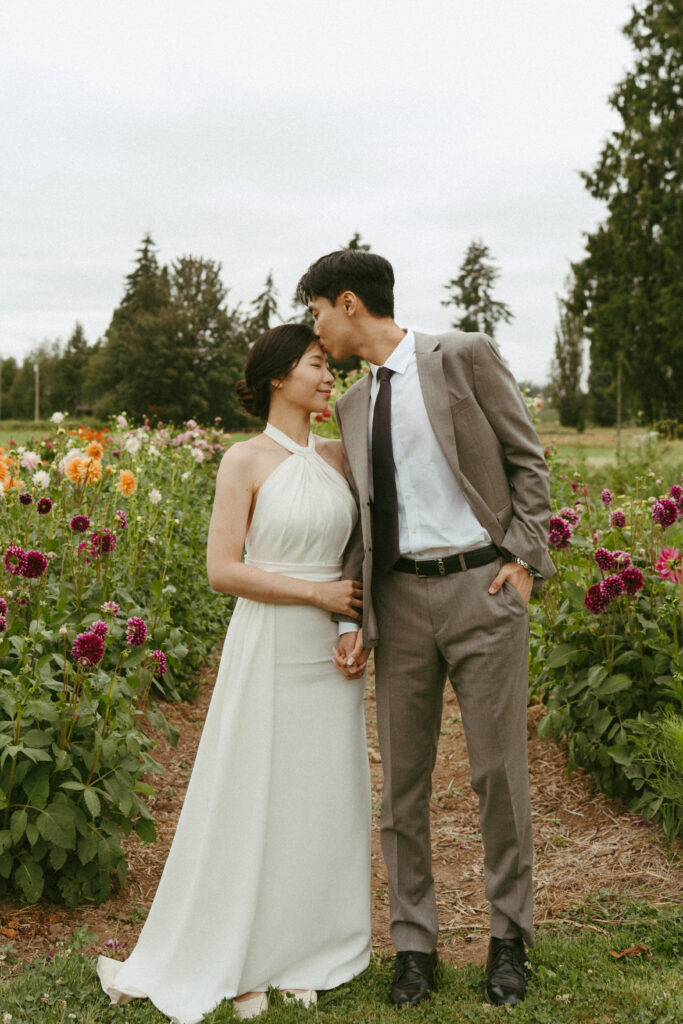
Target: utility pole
[{"x": 36, "y": 405}]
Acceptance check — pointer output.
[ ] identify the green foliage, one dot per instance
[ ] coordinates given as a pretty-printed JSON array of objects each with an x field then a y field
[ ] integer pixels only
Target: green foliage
[
  {"x": 629, "y": 283},
  {"x": 610, "y": 678},
  {"x": 471, "y": 293},
  {"x": 74, "y": 760}
]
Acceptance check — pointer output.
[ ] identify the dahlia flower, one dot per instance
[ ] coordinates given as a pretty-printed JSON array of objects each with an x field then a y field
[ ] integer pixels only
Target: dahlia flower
[
  {"x": 3, "y": 623},
  {"x": 632, "y": 579},
  {"x": 15, "y": 560},
  {"x": 617, "y": 519},
  {"x": 127, "y": 483},
  {"x": 79, "y": 524},
  {"x": 560, "y": 533},
  {"x": 100, "y": 628},
  {"x": 160, "y": 659},
  {"x": 136, "y": 631},
  {"x": 606, "y": 497},
  {"x": 669, "y": 565},
  {"x": 44, "y": 506},
  {"x": 604, "y": 559},
  {"x": 36, "y": 564},
  {"x": 25, "y": 498},
  {"x": 570, "y": 515},
  {"x": 121, "y": 516},
  {"x": 41, "y": 479},
  {"x": 596, "y": 600},
  {"x": 613, "y": 586},
  {"x": 109, "y": 608},
  {"x": 88, "y": 649},
  {"x": 664, "y": 512},
  {"x": 3, "y": 606},
  {"x": 102, "y": 543}
]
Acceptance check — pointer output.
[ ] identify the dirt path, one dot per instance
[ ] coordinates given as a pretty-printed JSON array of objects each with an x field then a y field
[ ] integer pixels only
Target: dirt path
[{"x": 583, "y": 842}]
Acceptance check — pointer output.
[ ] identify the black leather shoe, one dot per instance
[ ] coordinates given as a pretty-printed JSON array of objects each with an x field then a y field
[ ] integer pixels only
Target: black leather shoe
[
  {"x": 414, "y": 978},
  {"x": 505, "y": 972}
]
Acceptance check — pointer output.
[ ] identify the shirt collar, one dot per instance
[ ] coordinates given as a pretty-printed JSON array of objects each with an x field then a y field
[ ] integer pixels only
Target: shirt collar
[{"x": 400, "y": 357}]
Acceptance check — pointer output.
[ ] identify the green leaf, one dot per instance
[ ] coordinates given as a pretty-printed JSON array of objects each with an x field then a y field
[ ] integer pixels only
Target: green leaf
[
  {"x": 57, "y": 857},
  {"x": 56, "y": 824},
  {"x": 92, "y": 802},
  {"x": 37, "y": 786},
  {"x": 5, "y": 839},
  {"x": 146, "y": 830},
  {"x": 29, "y": 879},
  {"x": 562, "y": 655},
  {"x": 17, "y": 825},
  {"x": 614, "y": 684},
  {"x": 601, "y": 720}
]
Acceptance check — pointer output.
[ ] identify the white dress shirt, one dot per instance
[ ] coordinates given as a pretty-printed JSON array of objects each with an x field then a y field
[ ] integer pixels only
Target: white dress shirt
[{"x": 434, "y": 519}]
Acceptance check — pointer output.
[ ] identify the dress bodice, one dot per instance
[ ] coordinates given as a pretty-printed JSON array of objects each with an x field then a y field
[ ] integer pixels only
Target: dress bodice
[{"x": 304, "y": 514}]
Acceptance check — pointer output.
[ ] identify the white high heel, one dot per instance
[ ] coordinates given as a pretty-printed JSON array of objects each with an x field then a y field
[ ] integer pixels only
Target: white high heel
[
  {"x": 251, "y": 1007},
  {"x": 309, "y": 997}
]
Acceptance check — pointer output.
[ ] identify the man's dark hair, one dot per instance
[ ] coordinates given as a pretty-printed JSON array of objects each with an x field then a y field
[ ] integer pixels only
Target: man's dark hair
[{"x": 366, "y": 274}]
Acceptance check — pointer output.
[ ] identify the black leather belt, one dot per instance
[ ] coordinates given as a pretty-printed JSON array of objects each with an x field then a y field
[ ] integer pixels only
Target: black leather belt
[{"x": 451, "y": 563}]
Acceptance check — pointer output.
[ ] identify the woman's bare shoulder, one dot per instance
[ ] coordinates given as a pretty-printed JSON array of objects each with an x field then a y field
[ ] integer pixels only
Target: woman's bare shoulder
[{"x": 331, "y": 451}]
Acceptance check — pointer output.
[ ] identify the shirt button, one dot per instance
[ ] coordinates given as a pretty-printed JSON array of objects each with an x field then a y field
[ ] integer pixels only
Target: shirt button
[
  {"x": 400, "y": 461},
  {"x": 407, "y": 497}
]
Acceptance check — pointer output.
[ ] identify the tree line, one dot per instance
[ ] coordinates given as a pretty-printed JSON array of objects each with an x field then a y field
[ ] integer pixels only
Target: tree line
[{"x": 174, "y": 348}]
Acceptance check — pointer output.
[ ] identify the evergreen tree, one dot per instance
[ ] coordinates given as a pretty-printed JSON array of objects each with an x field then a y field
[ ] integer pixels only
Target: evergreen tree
[
  {"x": 630, "y": 284},
  {"x": 471, "y": 293},
  {"x": 264, "y": 308},
  {"x": 567, "y": 365},
  {"x": 355, "y": 243},
  {"x": 8, "y": 371}
]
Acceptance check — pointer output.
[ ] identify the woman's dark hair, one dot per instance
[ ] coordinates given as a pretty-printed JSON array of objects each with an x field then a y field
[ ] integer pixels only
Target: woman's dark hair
[
  {"x": 271, "y": 357},
  {"x": 366, "y": 274}
]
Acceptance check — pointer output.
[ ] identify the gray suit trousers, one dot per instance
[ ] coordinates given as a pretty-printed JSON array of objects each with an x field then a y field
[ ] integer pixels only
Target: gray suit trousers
[{"x": 431, "y": 629}]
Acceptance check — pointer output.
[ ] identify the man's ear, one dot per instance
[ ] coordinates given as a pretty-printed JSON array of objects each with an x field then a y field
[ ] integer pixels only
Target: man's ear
[{"x": 349, "y": 301}]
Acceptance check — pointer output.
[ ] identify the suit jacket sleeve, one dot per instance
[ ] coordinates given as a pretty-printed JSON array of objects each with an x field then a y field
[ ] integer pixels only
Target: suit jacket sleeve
[
  {"x": 499, "y": 397},
  {"x": 352, "y": 565}
]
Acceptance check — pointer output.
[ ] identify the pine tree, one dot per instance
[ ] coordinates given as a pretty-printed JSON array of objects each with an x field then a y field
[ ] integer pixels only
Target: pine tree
[
  {"x": 264, "y": 307},
  {"x": 471, "y": 293},
  {"x": 567, "y": 365},
  {"x": 630, "y": 284}
]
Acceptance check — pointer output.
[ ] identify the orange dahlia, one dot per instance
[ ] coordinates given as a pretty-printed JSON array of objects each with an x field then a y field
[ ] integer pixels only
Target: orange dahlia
[
  {"x": 91, "y": 471},
  {"x": 94, "y": 450},
  {"x": 75, "y": 468},
  {"x": 127, "y": 483}
]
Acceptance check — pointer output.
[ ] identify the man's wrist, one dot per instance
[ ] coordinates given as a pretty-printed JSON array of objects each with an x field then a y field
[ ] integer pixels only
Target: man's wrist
[
  {"x": 525, "y": 565},
  {"x": 347, "y": 626}
]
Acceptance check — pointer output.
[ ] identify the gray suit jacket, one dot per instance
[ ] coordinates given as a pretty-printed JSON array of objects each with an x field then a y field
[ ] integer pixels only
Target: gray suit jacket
[{"x": 484, "y": 429}]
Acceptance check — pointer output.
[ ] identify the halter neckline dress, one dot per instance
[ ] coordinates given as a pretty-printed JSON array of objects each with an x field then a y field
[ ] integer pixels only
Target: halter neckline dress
[{"x": 267, "y": 882}]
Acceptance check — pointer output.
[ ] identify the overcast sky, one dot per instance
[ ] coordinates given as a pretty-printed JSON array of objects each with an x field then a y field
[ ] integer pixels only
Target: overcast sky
[{"x": 263, "y": 134}]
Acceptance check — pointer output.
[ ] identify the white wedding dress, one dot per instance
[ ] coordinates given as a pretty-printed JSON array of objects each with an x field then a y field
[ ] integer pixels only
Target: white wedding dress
[{"x": 268, "y": 878}]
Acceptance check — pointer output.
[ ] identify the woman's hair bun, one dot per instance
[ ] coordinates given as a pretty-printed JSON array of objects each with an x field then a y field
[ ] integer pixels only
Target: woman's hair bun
[{"x": 246, "y": 397}]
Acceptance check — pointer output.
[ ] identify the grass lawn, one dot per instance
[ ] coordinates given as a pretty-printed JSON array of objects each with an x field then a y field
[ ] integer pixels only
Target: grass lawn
[{"x": 575, "y": 978}]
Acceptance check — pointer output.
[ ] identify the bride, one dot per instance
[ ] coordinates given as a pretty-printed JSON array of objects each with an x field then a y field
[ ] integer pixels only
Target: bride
[{"x": 267, "y": 881}]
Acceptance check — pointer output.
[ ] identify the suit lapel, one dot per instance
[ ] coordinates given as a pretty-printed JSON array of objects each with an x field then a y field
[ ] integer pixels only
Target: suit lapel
[
  {"x": 355, "y": 429},
  {"x": 429, "y": 361}
]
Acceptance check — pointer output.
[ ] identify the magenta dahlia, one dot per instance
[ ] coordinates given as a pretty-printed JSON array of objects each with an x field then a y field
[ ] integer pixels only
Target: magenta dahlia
[
  {"x": 44, "y": 506},
  {"x": 3, "y": 606},
  {"x": 100, "y": 628},
  {"x": 25, "y": 498},
  {"x": 160, "y": 659},
  {"x": 15, "y": 560},
  {"x": 632, "y": 579},
  {"x": 121, "y": 516},
  {"x": 36, "y": 564},
  {"x": 570, "y": 515},
  {"x": 102, "y": 543},
  {"x": 606, "y": 497},
  {"x": 109, "y": 608},
  {"x": 613, "y": 586},
  {"x": 676, "y": 492},
  {"x": 88, "y": 649},
  {"x": 617, "y": 519},
  {"x": 665, "y": 512},
  {"x": 560, "y": 533},
  {"x": 3, "y": 623},
  {"x": 604, "y": 559},
  {"x": 136, "y": 631},
  {"x": 622, "y": 559},
  {"x": 596, "y": 600},
  {"x": 79, "y": 524}
]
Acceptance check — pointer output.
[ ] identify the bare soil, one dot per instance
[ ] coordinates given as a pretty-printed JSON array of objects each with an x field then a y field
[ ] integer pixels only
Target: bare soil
[{"x": 584, "y": 843}]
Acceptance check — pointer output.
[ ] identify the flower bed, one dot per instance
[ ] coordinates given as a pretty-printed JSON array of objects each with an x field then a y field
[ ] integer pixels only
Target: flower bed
[
  {"x": 104, "y": 604},
  {"x": 606, "y": 652}
]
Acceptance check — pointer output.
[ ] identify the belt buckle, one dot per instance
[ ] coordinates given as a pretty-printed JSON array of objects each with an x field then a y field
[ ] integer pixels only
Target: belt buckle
[{"x": 420, "y": 575}]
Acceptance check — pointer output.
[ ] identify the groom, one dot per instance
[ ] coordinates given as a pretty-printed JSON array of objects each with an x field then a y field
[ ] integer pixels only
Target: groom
[{"x": 454, "y": 504}]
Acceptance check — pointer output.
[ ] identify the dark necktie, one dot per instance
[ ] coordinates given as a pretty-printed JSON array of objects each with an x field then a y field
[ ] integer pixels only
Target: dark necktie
[{"x": 385, "y": 504}]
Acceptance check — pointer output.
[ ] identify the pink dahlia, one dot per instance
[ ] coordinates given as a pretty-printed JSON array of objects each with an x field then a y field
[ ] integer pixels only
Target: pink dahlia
[
  {"x": 665, "y": 512},
  {"x": 669, "y": 565},
  {"x": 622, "y": 559},
  {"x": 676, "y": 492},
  {"x": 100, "y": 628},
  {"x": 632, "y": 579},
  {"x": 604, "y": 559},
  {"x": 88, "y": 649},
  {"x": 617, "y": 519},
  {"x": 15, "y": 560},
  {"x": 36, "y": 564},
  {"x": 136, "y": 631},
  {"x": 3, "y": 606},
  {"x": 606, "y": 497},
  {"x": 596, "y": 600},
  {"x": 160, "y": 659},
  {"x": 560, "y": 533},
  {"x": 109, "y": 608},
  {"x": 570, "y": 515},
  {"x": 121, "y": 516},
  {"x": 3, "y": 623}
]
